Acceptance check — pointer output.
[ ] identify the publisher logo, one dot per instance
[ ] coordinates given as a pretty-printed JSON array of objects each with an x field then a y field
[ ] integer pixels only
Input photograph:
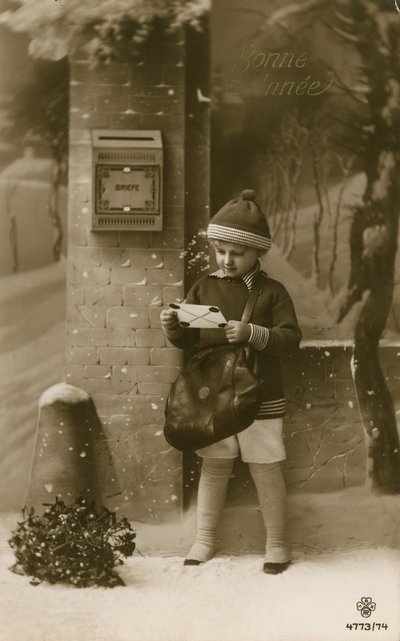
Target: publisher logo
[{"x": 366, "y": 606}]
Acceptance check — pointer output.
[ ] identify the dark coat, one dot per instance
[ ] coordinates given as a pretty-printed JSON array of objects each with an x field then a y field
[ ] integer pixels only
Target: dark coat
[{"x": 274, "y": 310}]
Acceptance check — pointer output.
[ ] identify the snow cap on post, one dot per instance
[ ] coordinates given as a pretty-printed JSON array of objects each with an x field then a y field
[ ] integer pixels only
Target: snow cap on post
[
  {"x": 241, "y": 221},
  {"x": 71, "y": 453}
]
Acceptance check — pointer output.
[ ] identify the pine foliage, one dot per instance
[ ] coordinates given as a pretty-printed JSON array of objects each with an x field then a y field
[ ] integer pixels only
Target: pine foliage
[{"x": 105, "y": 25}]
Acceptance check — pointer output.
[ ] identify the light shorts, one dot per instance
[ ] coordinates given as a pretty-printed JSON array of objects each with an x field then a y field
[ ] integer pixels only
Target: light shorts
[{"x": 262, "y": 442}]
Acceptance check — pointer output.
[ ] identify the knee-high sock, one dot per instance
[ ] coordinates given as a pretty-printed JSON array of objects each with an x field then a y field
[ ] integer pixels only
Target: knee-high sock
[
  {"x": 214, "y": 478},
  {"x": 271, "y": 491}
]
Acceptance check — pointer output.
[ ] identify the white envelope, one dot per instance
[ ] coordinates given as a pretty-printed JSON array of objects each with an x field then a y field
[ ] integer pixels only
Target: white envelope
[{"x": 202, "y": 316}]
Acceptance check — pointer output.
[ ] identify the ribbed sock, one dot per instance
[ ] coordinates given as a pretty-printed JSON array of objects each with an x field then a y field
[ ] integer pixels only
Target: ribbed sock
[
  {"x": 271, "y": 491},
  {"x": 214, "y": 478}
]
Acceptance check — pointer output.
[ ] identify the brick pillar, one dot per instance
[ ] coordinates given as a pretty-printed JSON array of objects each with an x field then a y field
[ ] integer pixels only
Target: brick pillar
[{"x": 118, "y": 281}]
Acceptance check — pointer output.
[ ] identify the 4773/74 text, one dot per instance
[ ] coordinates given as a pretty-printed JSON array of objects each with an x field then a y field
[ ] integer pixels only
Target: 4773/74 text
[{"x": 367, "y": 626}]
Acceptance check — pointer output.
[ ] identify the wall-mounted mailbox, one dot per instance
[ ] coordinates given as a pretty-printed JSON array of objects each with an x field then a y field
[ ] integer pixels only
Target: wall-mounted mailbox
[{"x": 127, "y": 180}]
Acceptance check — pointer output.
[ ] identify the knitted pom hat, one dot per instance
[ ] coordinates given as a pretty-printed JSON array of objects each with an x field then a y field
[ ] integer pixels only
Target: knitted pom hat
[{"x": 241, "y": 221}]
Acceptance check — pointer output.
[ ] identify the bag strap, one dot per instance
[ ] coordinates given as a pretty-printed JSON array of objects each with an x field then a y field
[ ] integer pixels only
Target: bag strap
[{"x": 252, "y": 299}]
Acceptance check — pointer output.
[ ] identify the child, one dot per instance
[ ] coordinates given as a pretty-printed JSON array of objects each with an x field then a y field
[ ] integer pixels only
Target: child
[{"x": 239, "y": 234}]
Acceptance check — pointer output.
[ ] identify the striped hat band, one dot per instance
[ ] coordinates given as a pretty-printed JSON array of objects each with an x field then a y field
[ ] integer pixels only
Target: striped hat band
[{"x": 239, "y": 236}]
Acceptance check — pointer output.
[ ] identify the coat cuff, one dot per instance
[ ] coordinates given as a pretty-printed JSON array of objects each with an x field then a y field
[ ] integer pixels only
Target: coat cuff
[
  {"x": 259, "y": 336},
  {"x": 173, "y": 334}
]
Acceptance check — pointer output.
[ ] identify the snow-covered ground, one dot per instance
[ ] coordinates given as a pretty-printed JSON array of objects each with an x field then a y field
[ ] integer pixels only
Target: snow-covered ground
[{"x": 344, "y": 548}]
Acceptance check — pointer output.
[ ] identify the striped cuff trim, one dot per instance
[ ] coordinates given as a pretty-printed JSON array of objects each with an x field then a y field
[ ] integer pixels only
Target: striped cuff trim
[
  {"x": 272, "y": 408},
  {"x": 263, "y": 417},
  {"x": 258, "y": 336},
  {"x": 274, "y": 403},
  {"x": 239, "y": 236},
  {"x": 280, "y": 403}
]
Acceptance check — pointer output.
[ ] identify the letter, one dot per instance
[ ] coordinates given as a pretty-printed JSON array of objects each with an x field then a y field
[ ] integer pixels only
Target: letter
[
  {"x": 259, "y": 55},
  {"x": 236, "y": 65},
  {"x": 274, "y": 55},
  {"x": 266, "y": 92},
  {"x": 256, "y": 86},
  {"x": 314, "y": 85},
  {"x": 302, "y": 57},
  {"x": 282, "y": 63},
  {"x": 332, "y": 76},
  {"x": 287, "y": 82},
  {"x": 300, "y": 84}
]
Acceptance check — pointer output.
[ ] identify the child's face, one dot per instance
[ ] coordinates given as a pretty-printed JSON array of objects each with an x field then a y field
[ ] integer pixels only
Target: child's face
[{"x": 236, "y": 260}]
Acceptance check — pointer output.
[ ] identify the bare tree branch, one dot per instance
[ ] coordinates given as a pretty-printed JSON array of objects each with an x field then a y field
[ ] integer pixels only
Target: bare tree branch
[{"x": 293, "y": 10}]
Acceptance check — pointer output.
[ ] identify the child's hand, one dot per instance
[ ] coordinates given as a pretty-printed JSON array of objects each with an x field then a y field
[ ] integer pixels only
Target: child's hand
[
  {"x": 237, "y": 332},
  {"x": 169, "y": 319}
]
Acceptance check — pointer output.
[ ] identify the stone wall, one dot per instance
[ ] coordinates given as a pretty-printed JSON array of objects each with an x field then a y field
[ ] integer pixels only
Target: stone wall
[
  {"x": 325, "y": 441},
  {"x": 324, "y": 437}
]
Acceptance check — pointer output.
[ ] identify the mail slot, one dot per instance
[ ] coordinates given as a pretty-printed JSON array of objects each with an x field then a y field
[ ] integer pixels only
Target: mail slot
[{"x": 127, "y": 180}]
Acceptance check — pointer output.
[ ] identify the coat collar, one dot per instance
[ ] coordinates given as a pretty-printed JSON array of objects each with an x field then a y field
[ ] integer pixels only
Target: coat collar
[{"x": 248, "y": 278}]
